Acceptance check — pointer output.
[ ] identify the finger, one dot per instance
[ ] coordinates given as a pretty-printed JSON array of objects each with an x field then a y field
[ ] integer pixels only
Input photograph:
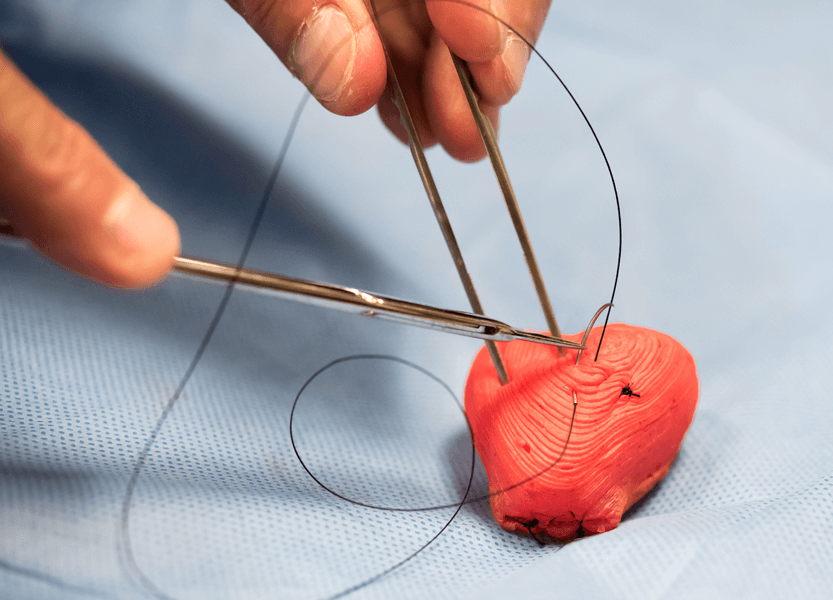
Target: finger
[
  {"x": 408, "y": 77},
  {"x": 332, "y": 47},
  {"x": 498, "y": 77},
  {"x": 468, "y": 27},
  {"x": 60, "y": 190},
  {"x": 405, "y": 27},
  {"x": 448, "y": 110}
]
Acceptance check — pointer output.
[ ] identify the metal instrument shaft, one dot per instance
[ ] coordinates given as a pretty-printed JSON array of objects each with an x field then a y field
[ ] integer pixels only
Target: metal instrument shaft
[
  {"x": 433, "y": 193},
  {"x": 366, "y": 304},
  {"x": 487, "y": 133}
]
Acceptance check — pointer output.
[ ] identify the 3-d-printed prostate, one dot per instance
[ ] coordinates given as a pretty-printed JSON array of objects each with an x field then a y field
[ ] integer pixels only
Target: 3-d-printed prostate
[{"x": 634, "y": 405}]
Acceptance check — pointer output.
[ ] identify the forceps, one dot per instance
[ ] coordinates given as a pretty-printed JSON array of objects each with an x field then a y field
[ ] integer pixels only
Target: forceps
[{"x": 487, "y": 134}]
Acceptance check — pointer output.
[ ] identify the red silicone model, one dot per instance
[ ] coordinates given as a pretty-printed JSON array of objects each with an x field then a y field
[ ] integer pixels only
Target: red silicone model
[{"x": 634, "y": 407}]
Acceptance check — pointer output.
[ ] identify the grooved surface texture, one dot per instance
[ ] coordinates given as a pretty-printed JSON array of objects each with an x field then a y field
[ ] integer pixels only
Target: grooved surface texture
[{"x": 551, "y": 472}]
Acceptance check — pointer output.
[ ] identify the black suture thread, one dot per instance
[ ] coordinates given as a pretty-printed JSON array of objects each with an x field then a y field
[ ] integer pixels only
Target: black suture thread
[
  {"x": 468, "y": 425},
  {"x": 373, "y": 357},
  {"x": 458, "y": 505},
  {"x": 627, "y": 391},
  {"x": 528, "y": 525},
  {"x": 124, "y": 529},
  {"x": 607, "y": 165},
  {"x": 125, "y": 516}
]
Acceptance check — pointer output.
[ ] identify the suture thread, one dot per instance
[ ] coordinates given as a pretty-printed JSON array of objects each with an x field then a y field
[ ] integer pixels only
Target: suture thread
[
  {"x": 124, "y": 532},
  {"x": 124, "y": 529},
  {"x": 458, "y": 505}
]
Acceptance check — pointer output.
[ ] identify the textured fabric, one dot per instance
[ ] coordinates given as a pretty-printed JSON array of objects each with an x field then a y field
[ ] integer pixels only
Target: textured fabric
[{"x": 715, "y": 119}]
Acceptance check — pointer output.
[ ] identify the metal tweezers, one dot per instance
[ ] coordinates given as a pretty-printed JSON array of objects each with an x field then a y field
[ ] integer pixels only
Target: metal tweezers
[
  {"x": 402, "y": 311},
  {"x": 489, "y": 138}
]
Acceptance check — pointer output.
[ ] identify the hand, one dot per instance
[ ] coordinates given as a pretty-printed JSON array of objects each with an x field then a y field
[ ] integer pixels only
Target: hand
[
  {"x": 61, "y": 191},
  {"x": 333, "y": 48}
]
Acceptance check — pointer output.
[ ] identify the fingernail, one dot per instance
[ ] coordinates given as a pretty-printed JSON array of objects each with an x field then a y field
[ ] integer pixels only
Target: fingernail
[
  {"x": 516, "y": 57},
  {"x": 139, "y": 225},
  {"x": 323, "y": 53}
]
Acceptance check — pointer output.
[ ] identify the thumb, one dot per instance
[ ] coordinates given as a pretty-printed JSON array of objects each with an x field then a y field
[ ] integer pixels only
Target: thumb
[
  {"x": 63, "y": 193},
  {"x": 331, "y": 46}
]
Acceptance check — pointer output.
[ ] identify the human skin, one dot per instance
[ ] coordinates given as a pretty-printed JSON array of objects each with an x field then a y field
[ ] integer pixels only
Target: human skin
[
  {"x": 634, "y": 406},
  {"x": 73, "y": 203}
]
